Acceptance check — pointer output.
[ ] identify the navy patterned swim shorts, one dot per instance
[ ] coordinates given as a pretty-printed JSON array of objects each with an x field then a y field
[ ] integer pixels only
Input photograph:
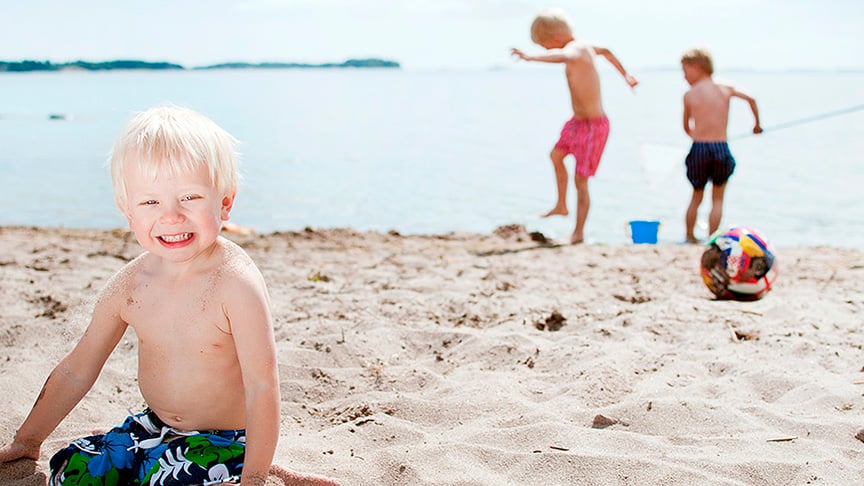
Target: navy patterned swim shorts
[{"x": 145, "y": 451}]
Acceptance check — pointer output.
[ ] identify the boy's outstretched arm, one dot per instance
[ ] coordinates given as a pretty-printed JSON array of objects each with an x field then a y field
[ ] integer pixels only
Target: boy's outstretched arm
[
  {"x": 552, "y": 55},
  {"x": 757, "y": 128},
  {"x": 602, "y": 51}
]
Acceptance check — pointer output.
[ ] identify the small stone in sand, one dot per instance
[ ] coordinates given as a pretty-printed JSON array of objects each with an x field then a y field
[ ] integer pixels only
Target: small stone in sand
[
  {"x": 602, "y": 421},
  {"x": 554, "y": 322}
]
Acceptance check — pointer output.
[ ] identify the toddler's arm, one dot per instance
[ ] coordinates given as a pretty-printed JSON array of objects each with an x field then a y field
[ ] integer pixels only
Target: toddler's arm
[
  {"x": 248, "y": 309},
  {"x": 69, "y": 381}
]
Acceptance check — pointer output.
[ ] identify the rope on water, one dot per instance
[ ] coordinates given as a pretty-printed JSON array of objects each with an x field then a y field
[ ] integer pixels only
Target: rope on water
[{"x": 805, "y": 120}]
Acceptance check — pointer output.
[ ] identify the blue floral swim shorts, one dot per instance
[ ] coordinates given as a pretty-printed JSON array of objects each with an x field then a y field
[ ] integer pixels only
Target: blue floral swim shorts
[{"x": 145, "y": 451}]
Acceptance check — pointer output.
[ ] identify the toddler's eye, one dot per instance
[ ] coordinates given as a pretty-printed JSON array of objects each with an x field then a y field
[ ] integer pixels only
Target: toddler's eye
[
  {"x": 149, "y": 202},
  {"x": 188, "y": 197}
]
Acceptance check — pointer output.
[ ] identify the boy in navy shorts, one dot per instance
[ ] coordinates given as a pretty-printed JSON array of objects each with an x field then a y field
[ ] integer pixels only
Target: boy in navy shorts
[{"x": 706, "y": 113}]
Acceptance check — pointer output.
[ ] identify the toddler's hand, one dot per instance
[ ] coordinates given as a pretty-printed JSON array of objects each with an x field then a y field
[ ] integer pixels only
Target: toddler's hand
[{"x": 17, "y": 450}]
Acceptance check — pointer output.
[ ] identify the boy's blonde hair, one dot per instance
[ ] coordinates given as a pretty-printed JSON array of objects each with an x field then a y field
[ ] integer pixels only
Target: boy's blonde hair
[
  {"x": 174, "y": 139},
  {"x": 700, "y": 57},
  {"x": 548, "y": 23}
]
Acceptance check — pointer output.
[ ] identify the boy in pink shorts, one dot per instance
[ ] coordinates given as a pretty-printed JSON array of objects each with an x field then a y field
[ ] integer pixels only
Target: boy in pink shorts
[{"x": 584, "y": 136}]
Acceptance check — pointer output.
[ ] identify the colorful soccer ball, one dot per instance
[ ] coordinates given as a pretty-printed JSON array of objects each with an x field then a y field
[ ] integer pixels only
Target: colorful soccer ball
[{"x": 738, "y": 264}]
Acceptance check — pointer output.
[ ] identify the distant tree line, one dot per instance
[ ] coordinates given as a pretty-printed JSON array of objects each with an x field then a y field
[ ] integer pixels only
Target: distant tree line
[
  {"x": 350, "y": 63},
  {"x": 23, "y": 66},
  {"x": 87, "y": 66}
]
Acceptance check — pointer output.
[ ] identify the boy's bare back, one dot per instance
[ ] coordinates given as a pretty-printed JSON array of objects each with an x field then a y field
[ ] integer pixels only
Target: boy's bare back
[
  {"x": 706, "y": 104},
  {"x": 187, "y": 324}
]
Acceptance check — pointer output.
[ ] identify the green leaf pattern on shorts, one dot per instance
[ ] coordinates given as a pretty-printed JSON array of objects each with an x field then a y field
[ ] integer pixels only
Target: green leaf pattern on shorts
[
  {"x": 76, "y": 473},
  {"x": 203, "y": 452},
  {"x": 200, "y": 450}
]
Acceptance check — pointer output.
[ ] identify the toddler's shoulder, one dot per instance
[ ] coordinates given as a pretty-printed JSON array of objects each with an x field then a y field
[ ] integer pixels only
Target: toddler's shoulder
[{"x": 237, "y": 266}]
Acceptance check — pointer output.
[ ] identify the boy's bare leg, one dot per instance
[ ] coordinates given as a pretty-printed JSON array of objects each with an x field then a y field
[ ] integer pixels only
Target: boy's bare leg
[
  {"x": 692, "y": 211},
  {"x": 583, "y": 203},
  {"x": 561, "y": 181},
  {"x": 716, "y": 215}
]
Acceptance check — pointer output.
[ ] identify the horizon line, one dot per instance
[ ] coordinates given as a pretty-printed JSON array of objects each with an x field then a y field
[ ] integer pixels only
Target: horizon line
[{"x": 498, "y": 66}]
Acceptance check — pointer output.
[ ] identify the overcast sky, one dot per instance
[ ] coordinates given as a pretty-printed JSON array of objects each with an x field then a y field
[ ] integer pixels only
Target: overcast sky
[{"x": 771, "y": 34}]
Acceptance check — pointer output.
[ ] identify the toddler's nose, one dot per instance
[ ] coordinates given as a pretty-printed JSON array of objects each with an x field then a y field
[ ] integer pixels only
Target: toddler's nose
[{"x": 171, "y": 214}]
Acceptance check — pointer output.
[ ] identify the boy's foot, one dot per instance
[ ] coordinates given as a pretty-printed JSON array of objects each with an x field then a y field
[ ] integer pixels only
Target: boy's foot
[
  {"x": 290, "y": 477},
  {"x": 557, "y": 211},
  {"x": 692, "y": 240},
  {"x": 576, "y": 239}
]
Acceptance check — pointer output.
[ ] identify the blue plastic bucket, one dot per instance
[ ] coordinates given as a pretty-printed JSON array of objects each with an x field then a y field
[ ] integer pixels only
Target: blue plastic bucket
[{"x": 644, "y": 232}]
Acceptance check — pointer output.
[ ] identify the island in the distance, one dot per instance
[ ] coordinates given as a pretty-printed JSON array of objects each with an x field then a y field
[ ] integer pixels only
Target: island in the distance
[
  {"x": 350, "y": 63},
  {"x": 27, "y": 65}
]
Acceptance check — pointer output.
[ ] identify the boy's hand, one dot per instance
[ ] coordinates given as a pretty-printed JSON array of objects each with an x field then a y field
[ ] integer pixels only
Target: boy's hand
[
  {"x": 631, "y": 81},
  {"x": 17, "y": 450},
  {"x": 518, "y": 53}
]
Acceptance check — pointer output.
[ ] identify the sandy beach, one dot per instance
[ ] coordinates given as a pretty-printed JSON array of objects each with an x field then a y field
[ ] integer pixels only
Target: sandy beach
[{"x": 492, "y": 359}]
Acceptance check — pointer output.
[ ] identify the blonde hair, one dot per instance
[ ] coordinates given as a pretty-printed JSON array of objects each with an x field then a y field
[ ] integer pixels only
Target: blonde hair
[
  {"x": 700, "y": 57},
  {"x": 174, "y": 139},
  {"x": 548, "y": 23}
]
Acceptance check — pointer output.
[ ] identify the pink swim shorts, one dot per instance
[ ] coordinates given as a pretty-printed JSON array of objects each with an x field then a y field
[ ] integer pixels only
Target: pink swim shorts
[{"x": 585, "y": 139}]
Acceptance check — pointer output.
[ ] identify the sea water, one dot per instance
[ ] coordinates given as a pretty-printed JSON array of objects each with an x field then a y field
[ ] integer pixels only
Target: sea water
[{"x": 437, "y": 151}]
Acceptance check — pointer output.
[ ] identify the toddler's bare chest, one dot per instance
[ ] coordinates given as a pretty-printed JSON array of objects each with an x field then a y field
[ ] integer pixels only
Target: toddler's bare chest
[{"x": 189, "y": 312}]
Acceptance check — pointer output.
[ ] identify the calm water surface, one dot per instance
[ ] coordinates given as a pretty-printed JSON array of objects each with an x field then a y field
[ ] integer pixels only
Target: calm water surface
[{"x": 439, "y": 151}]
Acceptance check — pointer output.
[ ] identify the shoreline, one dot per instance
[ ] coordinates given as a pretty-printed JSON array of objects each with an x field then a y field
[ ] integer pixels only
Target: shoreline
[
  {"x": 492, "y": 359},
  {"x": 516, "y": 232}
]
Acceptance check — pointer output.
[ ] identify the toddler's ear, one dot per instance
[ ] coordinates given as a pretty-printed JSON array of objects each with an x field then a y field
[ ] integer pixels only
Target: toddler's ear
[{"x": 227, "y": 204}]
